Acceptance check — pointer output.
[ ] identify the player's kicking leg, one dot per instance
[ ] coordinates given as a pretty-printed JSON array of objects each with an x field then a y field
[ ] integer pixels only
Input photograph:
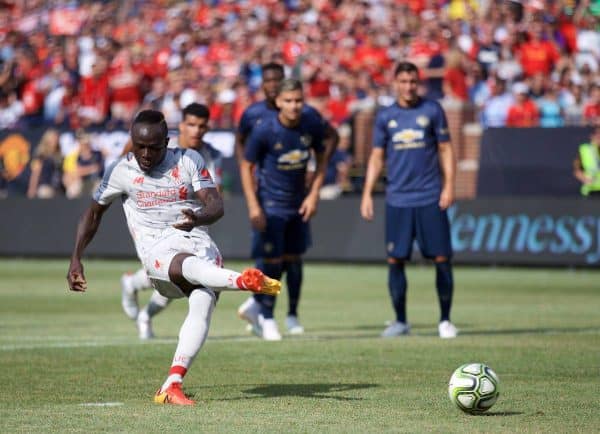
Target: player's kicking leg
[{"x": 189, "y": 271}]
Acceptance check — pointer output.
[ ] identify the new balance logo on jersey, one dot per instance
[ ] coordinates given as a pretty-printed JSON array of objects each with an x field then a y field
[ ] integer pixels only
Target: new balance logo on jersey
[{"x": 139, "y": 180}]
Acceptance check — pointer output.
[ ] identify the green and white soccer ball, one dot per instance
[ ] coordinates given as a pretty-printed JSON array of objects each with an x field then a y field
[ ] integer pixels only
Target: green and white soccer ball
[{"x": 474, "y": 388}]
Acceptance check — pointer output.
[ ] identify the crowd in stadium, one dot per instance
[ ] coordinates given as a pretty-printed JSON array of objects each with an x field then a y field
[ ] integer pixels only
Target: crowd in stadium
[{"x": 81, "y": 64}]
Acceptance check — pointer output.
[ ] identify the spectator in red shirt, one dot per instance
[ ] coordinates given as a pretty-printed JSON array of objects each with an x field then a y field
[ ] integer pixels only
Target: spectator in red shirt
[
  {"x": 93, "y": 94},
  {"x": 455, "y": 78},
  {"x": 537, "y": 55},
  {"x": 591, "y": 110},
  {"x": 523, "y": 112}
]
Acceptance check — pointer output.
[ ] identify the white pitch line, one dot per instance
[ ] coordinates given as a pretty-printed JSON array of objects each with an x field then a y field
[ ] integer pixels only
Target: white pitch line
[{"x": 101, "y": 404}]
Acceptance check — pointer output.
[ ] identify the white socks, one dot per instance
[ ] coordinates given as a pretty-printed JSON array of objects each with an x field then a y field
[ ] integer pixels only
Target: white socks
[
  {"x": 201, "y": 272},
  {"x": 192, "y": 334}
]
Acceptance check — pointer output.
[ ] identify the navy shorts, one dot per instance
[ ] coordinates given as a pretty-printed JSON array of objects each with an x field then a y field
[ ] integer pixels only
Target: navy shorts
[
  {"x": 428, "y": 224},
  {"x": 283, "y": 235}
]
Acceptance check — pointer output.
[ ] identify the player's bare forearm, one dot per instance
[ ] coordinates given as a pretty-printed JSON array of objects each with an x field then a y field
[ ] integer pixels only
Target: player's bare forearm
[
  {"x": 448, "y": 166},
  {"x": 86, "y": 230},
  {"x": 240, "y": 140},
  {"x": 319, "y": 177},
  {"x": 374, "y": 167},
  {"x": 212, "y": 207},
  {"x": 246, "y": 170},
  {"x": 87, "y": 227},
  {"x": 330, "y": 141}
]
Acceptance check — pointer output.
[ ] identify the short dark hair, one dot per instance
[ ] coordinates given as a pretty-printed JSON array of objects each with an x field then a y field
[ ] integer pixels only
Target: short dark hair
[
  {"x": 151, "y": 117},
  {"x": 196, "y": 109},
  {"x": 273, "y": 66},
  {"x": 289, "y": 84},
  {"x": 405, "y": 67}
]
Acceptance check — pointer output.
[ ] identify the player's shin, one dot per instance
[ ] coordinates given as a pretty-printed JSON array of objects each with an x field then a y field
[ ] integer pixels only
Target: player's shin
[
  {"x": 192, "y": 334},
  {"x": 445, "y": 286},
  {"x": 293, "y": 274},
  {"x": 397, "y": 287}
]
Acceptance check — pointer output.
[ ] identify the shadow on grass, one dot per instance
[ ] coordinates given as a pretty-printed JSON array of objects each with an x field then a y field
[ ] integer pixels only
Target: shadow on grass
[
  {"x": 420, "y": 330},
  {"x": 499, "y": 413},
  {"x": 316, "y": 390}
]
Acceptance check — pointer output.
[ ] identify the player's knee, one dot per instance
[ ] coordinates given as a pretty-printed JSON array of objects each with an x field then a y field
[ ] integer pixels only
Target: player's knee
[
  {"x": 395, "y": 261},
  {"x": 272, "y": 260},
  {"x": 440, "y": 259}
]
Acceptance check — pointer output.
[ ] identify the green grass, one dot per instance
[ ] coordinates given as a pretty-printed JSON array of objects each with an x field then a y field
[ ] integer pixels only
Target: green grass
[{"x": 538, "y": 329}]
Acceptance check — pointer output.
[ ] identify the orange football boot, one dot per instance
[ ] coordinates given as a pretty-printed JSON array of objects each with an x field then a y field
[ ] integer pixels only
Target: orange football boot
[
  {"x": 255, "y": 280},
  {"x": 172, "y": 395}
]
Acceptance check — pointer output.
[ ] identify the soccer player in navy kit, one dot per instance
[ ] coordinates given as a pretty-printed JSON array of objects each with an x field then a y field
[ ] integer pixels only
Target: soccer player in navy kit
[
  {"x": 280, "y": 208},
  {"x": 272, "y": 76},
  {"x": 411, "y": 138}
]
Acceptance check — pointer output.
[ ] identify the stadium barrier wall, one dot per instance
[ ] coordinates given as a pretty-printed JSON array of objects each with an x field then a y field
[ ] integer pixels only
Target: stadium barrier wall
[
  {"x": 529, "y": 161},
  {"x": 511, "y": 231}
]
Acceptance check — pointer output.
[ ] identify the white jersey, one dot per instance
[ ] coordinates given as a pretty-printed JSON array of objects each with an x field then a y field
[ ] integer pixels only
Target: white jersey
[{"x": 153, "y": 201}]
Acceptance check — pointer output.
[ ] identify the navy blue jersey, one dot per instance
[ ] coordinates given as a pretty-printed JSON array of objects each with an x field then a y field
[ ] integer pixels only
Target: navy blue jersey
[
  {"x": 258, "y": 111},
  {"x": 282, "y": 155},
  {"x": 410, "y": 137}
]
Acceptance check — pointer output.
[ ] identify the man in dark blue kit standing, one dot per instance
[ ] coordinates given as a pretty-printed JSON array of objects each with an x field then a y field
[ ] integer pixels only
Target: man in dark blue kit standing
[
  {"x": 411, "y": 138},
  {"x": 280, "y": 207},
  {"x": 254, "y": 115}
]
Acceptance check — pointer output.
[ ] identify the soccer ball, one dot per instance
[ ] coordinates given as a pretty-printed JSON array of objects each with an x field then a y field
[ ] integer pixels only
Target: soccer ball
[{"x": 474, "y": 388}]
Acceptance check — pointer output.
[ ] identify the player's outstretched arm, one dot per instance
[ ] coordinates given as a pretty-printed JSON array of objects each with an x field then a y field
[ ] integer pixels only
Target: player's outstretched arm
[
  {"x": 211, "y": 211},
  {"x": 86, "y": 230},
  {"x": 374, "y": 167}
]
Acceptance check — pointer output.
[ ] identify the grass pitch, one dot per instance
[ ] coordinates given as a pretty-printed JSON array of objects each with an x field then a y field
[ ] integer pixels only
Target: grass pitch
[{"x": 73, "y": 363}]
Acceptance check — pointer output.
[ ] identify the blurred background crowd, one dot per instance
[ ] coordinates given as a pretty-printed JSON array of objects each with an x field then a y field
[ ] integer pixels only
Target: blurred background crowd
[{"x": 75, "y": 65}]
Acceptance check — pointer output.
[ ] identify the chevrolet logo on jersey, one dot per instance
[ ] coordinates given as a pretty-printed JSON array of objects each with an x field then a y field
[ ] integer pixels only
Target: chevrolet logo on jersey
[
  {"x": 293, "y": 160},
  {"x": 408, "y": 135}
]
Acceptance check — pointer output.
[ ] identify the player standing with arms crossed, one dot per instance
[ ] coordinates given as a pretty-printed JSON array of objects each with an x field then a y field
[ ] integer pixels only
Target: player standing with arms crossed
[
  {"x": 280, "y": 208},
  {"x": 411, "y": 138},
  {"x": 272, "y": 76},
  {"x": 169, "y": 198}
]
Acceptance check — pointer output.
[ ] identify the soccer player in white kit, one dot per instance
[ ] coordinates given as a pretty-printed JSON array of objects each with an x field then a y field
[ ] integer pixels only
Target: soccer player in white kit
[
  {"x": 192, "y": 128},
  {"x": 169, "y": 198}
]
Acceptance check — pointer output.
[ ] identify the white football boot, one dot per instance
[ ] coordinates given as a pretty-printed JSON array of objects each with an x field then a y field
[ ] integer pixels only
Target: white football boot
[
  {"x": 129, "y": 297},
  {"x": 293, "y": 325},
  {"x": 447, "y": 330},
  {"x": 396, "y": 328},
  {"x": 270, "y": 331},
  {"x": 249, "y": 311}
]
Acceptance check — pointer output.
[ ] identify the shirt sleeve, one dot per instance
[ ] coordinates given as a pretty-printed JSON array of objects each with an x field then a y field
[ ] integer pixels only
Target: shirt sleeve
[
  {"x": 199, "y": 174},
  {"x": 245, "y": 125},
  {"x": 255, "y": 145},
  {"x": 113, "y": 184},
  {"x": 319, "y": 127},
  {"x": 380, "y": 136},
  {"x": 440, "y": 124}
]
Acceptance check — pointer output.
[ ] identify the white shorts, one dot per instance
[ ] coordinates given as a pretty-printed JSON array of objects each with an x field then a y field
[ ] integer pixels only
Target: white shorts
[{"x": 157, "y": 258}]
